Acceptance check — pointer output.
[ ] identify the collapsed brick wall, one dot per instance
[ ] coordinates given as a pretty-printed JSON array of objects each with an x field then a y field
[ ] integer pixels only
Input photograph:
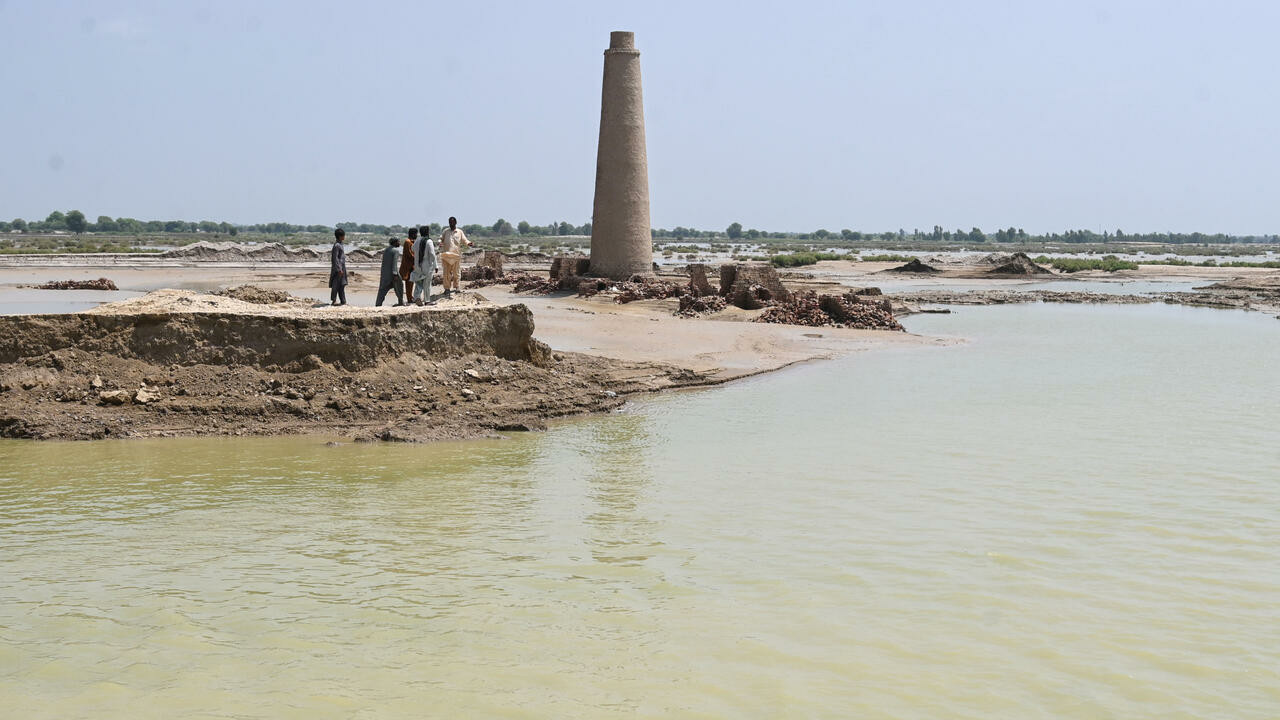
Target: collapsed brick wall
[
  {"x": 567, "y": 271},
  {"x": 698, "y": 282},
  {"x": 751, "y": 285},
  {"x": 488, "y": 267}
]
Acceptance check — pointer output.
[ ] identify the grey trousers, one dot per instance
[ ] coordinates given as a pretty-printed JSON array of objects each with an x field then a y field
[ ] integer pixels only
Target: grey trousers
[{"x": 395, "y": 283}]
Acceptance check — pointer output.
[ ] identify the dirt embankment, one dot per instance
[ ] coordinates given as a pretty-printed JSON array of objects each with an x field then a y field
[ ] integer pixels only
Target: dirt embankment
[
  {"x": 235, "y": 252},
  {"x": 1258, "y": 294},
  {"x": 180, "y": 363}
]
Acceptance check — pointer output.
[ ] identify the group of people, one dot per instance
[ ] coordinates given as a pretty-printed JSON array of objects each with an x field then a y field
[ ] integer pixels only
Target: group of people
[{"x": 408, "y": 267}]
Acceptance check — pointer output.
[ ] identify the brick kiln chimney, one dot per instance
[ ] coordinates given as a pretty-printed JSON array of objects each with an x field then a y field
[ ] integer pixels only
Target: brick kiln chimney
[{"x": 621, "y": 241}]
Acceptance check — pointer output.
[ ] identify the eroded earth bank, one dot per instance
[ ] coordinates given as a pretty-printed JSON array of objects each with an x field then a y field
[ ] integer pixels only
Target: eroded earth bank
[{"x": 182, "y": 363}]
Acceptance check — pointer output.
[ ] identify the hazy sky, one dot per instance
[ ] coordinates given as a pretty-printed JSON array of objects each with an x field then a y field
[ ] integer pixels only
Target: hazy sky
[{"x": 785, "y": 116}]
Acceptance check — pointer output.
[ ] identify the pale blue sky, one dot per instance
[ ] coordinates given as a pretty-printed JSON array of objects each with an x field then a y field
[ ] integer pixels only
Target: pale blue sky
[{"x": 1147, "y": 116}]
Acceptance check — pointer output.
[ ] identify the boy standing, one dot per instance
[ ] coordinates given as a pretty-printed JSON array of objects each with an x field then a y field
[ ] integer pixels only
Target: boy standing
[{"x": 338, "y": 269}]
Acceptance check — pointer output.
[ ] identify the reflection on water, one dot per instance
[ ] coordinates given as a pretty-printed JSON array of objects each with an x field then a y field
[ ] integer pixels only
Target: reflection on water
[
  {"x": 617, "y": 475},
  {"x": 1073, "y": 515}
]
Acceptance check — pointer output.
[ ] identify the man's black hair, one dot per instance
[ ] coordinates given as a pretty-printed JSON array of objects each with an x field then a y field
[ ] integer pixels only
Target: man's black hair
[
  {"x": 413, "y": 233},
  {"x": 426, "y": 230},
  {"x": 339, "y": 233}
]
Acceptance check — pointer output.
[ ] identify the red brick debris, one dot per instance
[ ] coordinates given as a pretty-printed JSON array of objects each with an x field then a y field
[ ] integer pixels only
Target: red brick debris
[
  {"x": 847, "y": 311},
  {"x": 99, "y": 284}
]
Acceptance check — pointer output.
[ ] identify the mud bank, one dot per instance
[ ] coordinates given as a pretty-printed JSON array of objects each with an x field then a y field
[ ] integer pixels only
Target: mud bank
[
  {"x": 1243, "y": 295},
  {"x": 181, "y": 363},
  {"x": 185, "y": 328}
]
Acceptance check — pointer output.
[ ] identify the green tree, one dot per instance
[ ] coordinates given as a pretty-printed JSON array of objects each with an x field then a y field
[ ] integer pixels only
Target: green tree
[
  {"x": 502, "y": 227},
  {"x": 105, "y": 224},
  {"x": 523, "y": 227},
  {"x": 19, "y": 224},
  {"x": 75, "y": 222},
  {"x": 821, "y": 234},
  {"x": 734, "y": 231},
  {"x": 564, "y": 228},
  {"x": 976, "y": 235},
  {"x": 55, "y": 221}
]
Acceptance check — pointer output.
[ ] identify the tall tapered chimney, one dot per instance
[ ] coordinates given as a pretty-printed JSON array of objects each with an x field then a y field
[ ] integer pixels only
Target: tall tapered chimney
[{"x": 621, "y": 240}]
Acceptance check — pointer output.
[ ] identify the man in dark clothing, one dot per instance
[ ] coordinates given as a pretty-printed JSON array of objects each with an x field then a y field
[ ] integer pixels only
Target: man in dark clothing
[
  {"x": 391, "y": 273},
  {"x": 338, "y": 269}
]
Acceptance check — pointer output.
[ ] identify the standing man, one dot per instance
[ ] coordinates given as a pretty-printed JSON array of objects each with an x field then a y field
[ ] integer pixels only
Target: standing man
[
  {"x": 452, "y": 240},
  {"x": 406, "y": 265},
  {"x": 338, "y": 269},
  {"x": 425, "y": 264},
  {"x": 391, "y": 273}
]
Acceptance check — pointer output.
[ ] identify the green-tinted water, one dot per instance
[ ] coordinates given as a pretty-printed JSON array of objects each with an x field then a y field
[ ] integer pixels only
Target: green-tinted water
[{"x": 1074, "y": 515}]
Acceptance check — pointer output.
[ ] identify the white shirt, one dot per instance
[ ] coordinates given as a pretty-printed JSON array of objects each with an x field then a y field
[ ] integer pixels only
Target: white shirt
[{"x": 452, "y": 240}]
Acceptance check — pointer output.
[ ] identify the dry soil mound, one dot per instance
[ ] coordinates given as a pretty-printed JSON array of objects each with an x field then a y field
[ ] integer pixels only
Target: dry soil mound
[
  {"x": 263, "y": 296},
  {"x": 1015, "y": 264},
  {"x": 915, "y": 266}
]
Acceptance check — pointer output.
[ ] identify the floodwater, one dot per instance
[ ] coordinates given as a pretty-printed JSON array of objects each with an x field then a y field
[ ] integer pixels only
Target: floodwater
[
  {"x": 1074, "y": 515},
  {"x": 891, "y": 283},
  {"x": 29, "y": 301}
]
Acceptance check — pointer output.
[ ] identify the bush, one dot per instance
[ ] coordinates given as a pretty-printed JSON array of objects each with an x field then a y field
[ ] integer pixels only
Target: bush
[
  {"x": 886, "y": 258},
  {"x": 803, "y": 258},
  {"x": 1109, "y": 263}
]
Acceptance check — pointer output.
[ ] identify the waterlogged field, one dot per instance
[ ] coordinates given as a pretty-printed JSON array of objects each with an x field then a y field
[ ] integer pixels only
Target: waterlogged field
[{"x": 1073, "y": 515}]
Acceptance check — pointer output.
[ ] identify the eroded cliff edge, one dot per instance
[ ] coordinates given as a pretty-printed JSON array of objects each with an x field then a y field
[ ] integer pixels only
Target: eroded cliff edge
[{"x": 182, "y": 363}]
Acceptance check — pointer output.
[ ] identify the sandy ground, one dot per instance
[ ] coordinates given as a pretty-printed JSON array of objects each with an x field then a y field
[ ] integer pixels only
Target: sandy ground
[
  {"x": 601, "y": 352},
  {"x": 724, "y": 349},
  {"x": 645, "y": 331}
]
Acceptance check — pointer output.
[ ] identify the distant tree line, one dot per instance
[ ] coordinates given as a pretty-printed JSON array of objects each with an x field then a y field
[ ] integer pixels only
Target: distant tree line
[{"x": 75, "y": 221}]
